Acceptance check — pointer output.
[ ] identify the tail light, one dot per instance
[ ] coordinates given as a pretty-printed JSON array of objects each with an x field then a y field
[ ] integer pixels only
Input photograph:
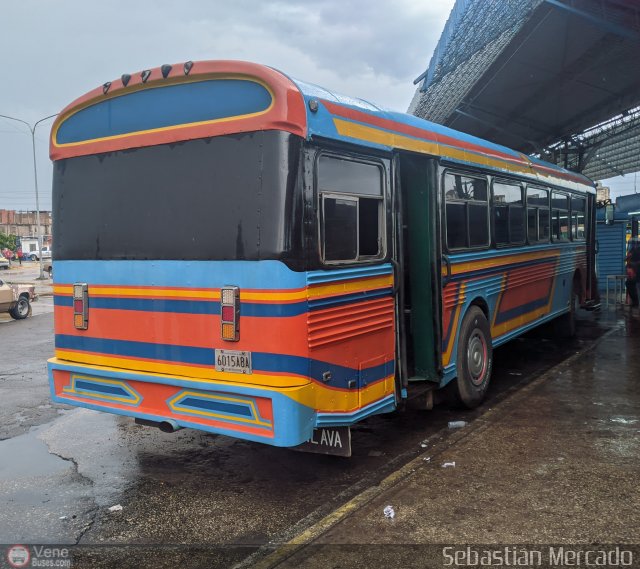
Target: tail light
[
  {"x": 81, "y": 306},
  {"x": 230, "y": 313}
]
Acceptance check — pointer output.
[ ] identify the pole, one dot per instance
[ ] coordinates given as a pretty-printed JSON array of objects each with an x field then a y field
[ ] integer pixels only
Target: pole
[{"x": 32, "y": 129}]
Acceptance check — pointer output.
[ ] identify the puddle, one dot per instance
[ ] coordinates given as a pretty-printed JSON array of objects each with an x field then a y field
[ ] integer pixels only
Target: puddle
[{"x": 26, "y": 455}]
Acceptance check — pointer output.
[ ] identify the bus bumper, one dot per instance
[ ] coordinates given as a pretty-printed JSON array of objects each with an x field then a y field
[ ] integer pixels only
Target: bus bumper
[{"x": 256, "y": 413}]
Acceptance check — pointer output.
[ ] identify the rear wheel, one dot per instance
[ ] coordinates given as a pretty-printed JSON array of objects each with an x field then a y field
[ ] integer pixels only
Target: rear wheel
[
  {"x": 475, "y": 359},
  {"x": 21, "y": 310}
]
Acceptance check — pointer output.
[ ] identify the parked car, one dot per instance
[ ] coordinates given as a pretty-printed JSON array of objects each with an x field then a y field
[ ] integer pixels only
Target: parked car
[
  {"x": 16, "y": 299},
  {"x": 4, "y": 264},
  {"x": 35, "y": 255}
]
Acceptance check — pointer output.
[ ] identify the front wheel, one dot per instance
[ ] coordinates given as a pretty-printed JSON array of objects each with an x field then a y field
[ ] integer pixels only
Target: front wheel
[
  {"x": 33, "y": 258},
  {"x": 21, "y": 310},
  {"x": 475, "y": 359}
]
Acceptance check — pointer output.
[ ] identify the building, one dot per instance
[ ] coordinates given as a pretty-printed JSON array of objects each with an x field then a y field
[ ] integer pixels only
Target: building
[
  {"x": 24, "y": 224},
  {"x": 603, "y": 193}
]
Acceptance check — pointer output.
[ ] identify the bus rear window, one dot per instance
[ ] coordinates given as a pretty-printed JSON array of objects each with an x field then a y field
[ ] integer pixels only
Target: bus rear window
[{"x": 224, "y": 198}]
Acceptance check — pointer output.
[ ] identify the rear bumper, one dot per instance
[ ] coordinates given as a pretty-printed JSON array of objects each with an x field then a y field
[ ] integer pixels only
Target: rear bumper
[{"x": 272, "y": 416}]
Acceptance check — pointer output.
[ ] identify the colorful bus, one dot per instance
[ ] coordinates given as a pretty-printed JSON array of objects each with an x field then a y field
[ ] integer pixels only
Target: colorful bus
[{"x": 244, "y": 253}]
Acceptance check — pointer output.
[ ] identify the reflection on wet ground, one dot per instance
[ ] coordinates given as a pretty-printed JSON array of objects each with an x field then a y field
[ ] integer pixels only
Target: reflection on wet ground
[{"x": 192, "y": 487}]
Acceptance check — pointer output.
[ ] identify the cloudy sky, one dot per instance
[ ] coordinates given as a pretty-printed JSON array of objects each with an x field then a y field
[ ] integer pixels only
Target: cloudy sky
[{"x": 54, "y": 51}]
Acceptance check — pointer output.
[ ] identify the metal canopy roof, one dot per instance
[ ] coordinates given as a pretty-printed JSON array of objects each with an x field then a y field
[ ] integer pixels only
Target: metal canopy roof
[{"x": 555, "y": 78}]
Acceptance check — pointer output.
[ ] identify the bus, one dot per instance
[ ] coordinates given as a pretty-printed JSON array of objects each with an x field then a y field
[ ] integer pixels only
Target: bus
[{"x": 244, "y": 253}]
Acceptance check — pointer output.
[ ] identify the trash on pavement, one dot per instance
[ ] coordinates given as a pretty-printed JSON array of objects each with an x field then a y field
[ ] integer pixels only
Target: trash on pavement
[
  {"x": 116, "y": 508},
  {"x": 457, "y": 424},
  {"x": 389, "y": 512},
  {"x": 449, "y": 464}
]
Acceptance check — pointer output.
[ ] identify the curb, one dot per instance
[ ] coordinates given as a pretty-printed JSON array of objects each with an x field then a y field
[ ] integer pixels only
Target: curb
[{"x": 268, "y": 557}]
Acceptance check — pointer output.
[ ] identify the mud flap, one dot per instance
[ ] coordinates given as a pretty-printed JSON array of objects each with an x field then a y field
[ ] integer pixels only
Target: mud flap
[{"x": 328, "y": 440}]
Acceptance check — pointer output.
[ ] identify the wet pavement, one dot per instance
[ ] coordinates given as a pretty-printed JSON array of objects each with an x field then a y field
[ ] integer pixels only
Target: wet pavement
[
  {"x": 557, "y": 462},
  {"x": 551, "y": 456}
]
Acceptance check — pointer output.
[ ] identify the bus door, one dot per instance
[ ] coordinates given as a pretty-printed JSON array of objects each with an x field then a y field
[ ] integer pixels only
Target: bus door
[{"x": 417, "y": 252}]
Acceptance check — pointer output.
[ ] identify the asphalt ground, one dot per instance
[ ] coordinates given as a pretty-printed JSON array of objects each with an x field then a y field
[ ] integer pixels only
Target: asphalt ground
[{"x": 193, "y": 499}]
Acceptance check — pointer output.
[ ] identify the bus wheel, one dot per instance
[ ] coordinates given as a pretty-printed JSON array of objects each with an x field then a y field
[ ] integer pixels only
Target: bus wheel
[{"x": 475, "y": 359}]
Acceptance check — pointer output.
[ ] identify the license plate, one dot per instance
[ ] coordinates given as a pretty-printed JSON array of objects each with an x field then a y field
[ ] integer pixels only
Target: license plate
[
  {"x": 233, "y": 361},
  {"x": 328, "y": 440}
]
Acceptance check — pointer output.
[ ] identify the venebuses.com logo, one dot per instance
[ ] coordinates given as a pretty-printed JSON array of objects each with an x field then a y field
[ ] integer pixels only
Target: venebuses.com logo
[{"x": 20, "y": 556}]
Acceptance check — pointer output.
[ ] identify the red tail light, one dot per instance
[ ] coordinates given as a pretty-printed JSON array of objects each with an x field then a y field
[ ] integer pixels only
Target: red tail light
[
  {"x": 230, "y": 313},
  {"x": 81, "y": 306}
]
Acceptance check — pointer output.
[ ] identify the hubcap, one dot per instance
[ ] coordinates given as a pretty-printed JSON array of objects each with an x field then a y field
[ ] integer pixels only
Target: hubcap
[
  {"x": 22, "y": 307},
  {"x": 477, "y": 357}
]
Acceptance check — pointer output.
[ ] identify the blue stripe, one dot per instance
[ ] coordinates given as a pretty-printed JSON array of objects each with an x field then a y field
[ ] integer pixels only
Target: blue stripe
[
  {"x": 210, "y": 405},
  {"x": 320, "y": 277},
  {"x": 322, "y": 303},
  {"x": 260, "y": 275},
  {"x": 254, "y": 309},
  {"x": 506, "y": 315},
  {"x": 101, "y": 388},
  {"x": 262, "y": 362}
]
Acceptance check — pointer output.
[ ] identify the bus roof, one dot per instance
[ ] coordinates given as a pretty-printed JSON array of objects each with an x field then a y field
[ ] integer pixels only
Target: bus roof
[{"x": 201, "y": 99}]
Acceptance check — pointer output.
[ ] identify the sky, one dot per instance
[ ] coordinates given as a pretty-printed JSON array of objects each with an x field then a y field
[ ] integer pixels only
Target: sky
[{"x": 52, "y": 52}]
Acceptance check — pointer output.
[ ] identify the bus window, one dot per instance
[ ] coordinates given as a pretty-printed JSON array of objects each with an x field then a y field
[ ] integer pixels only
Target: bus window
[
  {"x": 466, "y": 211},
  {"x": 351, "y": 198},
  {"x": 340, "y": 228},
  {"x": 537, "y": 214},
  {"x": 560, "y": 213},
  {"x": 578, "y": 208},
  {"x": 508, "y": 213}
]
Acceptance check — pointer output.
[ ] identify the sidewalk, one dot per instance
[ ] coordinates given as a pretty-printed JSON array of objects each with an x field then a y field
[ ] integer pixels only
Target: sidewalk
[{"x": 558, "y": 462}]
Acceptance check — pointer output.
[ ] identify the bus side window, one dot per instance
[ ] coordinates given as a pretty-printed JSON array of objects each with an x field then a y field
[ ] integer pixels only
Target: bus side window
[
  {"x": 560, "y": 208},
  {"x": 578, "y": 209},
  {"x": 537, "y": 215},
  {"x": 351, "y": 199},
  {"x": 467, "y": 205},
  {"x": 508, "y": 213}
]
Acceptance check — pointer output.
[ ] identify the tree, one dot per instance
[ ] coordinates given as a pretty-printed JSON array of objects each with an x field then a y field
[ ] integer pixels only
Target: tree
[{"x": 8, "y": 241}]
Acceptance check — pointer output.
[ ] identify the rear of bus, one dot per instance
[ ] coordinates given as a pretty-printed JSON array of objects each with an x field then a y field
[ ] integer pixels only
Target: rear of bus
[{"x": 188, "y": 287}]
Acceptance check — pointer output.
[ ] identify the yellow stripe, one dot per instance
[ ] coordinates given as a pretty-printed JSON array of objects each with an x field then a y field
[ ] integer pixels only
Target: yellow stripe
[
  {"x": 207, "y": 294},
  {"x": 182, "y": 371},
  {"x": 351, "y": 286},
  {"x": 458, "y": 268},
  {"x": 310, "y": 394},
  {"x": 155, "y": 85},
  {"x": 371, "y": 134},
  {"x": 446, "y": 359}
]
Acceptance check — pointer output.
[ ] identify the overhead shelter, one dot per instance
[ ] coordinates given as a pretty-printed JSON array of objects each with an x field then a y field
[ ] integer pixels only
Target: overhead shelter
[{"x": 554, "y": 78}]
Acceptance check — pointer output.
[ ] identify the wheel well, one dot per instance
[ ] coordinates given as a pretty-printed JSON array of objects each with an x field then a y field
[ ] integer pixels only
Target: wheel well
[
  {"x": 25, "y": 295},
  {"x": 481, "y": 303}
]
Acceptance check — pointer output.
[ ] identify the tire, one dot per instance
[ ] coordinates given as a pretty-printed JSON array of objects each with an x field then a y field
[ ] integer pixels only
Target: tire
[
  {"x": 50, "y": 271},
  {"x": 33, "y": 258},
  {"x": 475, "y": 360},
  {"x": 21, "y": 310}
]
